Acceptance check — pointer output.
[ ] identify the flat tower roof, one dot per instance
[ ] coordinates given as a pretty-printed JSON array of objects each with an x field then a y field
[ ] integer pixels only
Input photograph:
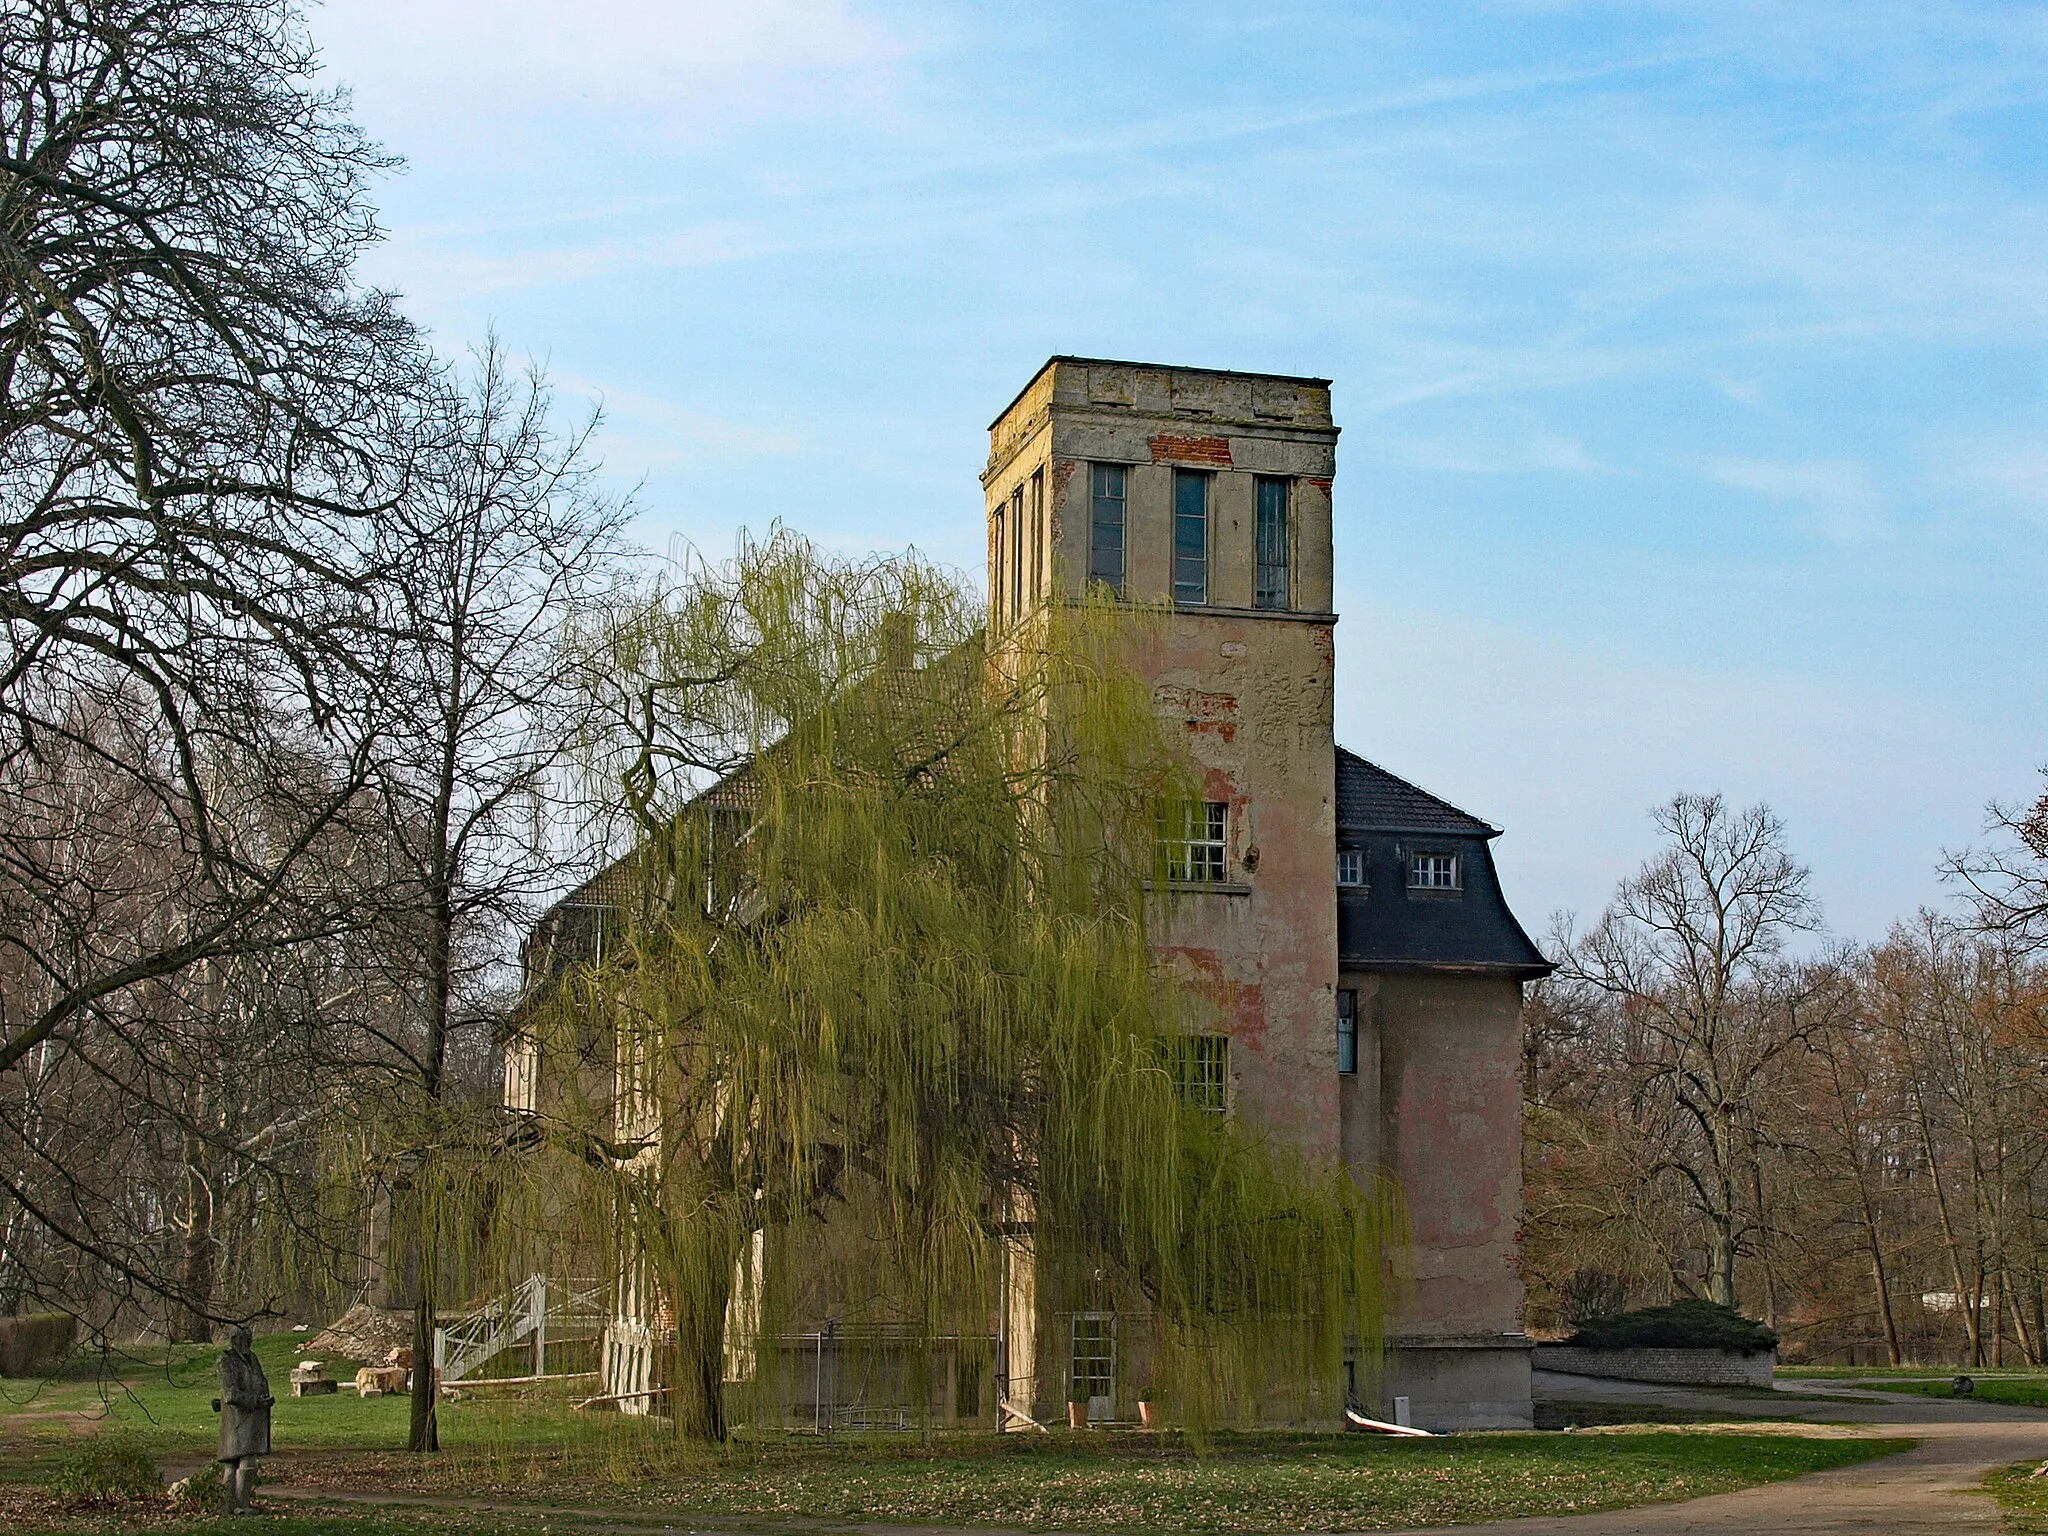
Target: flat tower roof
[{"x": 1122, "y": 362}]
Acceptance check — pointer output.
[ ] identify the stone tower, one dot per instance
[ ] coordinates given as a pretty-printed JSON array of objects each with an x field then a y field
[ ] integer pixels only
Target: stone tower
[
  {"x": 1369, "y": 971},
  {"x": 1210, "y": 492}
]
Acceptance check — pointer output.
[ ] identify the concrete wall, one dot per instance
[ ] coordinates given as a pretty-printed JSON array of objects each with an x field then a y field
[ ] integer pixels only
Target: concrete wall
[
  {"x": 1460, "y": 1384},
  {"x": 1684, "y": 1367}
]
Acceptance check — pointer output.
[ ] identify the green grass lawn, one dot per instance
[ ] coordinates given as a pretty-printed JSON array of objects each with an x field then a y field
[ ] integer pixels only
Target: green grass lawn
[
  {"x": 524, "y": 1450},
  {"x": 2018, "y": 1391},
  {"x": 1932, "y": 1372},
  {"x": 2022, "y": 1497}
]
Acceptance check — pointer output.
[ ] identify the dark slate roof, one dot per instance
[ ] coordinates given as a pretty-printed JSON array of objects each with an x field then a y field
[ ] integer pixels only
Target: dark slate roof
[
  {"x": 1384, "y": 926},
  {"x": 1371, "y": 799}
]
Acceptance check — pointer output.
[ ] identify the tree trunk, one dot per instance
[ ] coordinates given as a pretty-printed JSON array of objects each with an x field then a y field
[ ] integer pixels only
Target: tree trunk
[
  {"x": 425, "y": 1431},
  {"x": 697, "y": 1382},
  {"x": 196, "y": 1267}
]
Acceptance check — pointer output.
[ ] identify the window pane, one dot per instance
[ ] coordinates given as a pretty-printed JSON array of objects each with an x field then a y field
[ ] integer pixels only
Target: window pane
[
  {"x": 1433, "y": 871},
  {"x": 1351, "y": 868},
  {"x": 1195, "y": 839},
  {"x": 1274, "y": 547},
  {"x": 1347, "y": 1031},
  {"x": 1190, "y": 536},
  {"x": 1106, "y": 528}
]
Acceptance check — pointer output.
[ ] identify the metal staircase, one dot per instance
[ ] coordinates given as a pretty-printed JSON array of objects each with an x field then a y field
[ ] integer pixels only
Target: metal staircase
[{"x": 534, "y": 1312}]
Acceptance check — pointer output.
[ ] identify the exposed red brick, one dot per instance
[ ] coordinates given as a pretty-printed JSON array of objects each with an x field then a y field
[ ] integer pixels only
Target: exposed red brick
[{"x": 1178, "y": 448}]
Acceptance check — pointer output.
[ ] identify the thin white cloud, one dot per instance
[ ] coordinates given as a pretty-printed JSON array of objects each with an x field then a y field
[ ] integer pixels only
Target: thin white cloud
[
  {"x": 485, "y": 66},
  {"x": 1840, "y": 495}
]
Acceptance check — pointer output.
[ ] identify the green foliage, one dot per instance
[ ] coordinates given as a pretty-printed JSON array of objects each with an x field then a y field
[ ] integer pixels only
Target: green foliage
[
  {"x": 35, "y": 1341},
  {"x": 883, "y": 958},
  {"x": 106, "y": 1469},
  {"x": 1692, "y": 1323},
  {"x": 200, "y": 1489}
]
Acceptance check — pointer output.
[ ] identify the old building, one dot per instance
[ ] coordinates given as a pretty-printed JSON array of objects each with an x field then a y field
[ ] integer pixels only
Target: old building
[
  {"x": 1353, "y": 923},
  {"x": 1362, "y": 971}
]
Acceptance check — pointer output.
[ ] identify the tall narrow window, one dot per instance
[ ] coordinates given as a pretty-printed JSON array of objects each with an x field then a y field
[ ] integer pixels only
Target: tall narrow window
[
  {"x": 1017, "y": 553},
  {"x": 1106, "y": 528},
  {"x": 1190, "y": 536},
  {"x": 997, "y": 573},
  {"x": 1347, "y": 1031},
  {"x": 1275, "y": 545},
  {"x": 1038, "y": 533}
]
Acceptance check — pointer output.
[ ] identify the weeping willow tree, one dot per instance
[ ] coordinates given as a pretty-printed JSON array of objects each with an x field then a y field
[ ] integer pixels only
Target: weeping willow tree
[{"x": 877, "y": 957}]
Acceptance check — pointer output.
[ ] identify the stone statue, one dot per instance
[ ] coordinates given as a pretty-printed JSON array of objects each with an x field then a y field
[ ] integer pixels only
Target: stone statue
[{"x": 244, "y": 1408}]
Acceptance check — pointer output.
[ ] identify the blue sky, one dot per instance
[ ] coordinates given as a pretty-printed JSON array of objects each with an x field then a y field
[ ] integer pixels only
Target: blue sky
[{"x": 1689, "y": 358}]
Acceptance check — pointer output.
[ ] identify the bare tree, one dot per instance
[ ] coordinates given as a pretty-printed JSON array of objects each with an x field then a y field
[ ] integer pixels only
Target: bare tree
[
  {"x": 502, "y": 533},
  {"x": 1692, "y": 948},
  {"x": 2008, "y": 879},
  {"x": 195, "y": 414}
]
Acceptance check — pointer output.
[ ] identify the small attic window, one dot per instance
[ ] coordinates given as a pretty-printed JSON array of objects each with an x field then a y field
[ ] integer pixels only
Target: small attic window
[
  {"x": 1433, "y": 871},
  {"x": 1350, "y": 867}
]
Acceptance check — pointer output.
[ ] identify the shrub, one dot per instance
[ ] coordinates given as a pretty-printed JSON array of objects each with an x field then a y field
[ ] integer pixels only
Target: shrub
[
  {"x": 200, "y": 1491},
  {"x": 105, "y": 1470},
  {"x": 1688, "y": 1324},
  {"x": 34, "y": 1341}
]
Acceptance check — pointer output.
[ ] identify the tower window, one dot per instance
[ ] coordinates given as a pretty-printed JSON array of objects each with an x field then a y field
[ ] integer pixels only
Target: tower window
[
  {"x": 1193, "y": 836},
  {"x": 1275, "y": 547},
  {"x": 1017, "y": 553},
  {"x": 1038, "y": 533},
  {"x": 1432, "y": 872},
  {"x": 1347, "y": 1031},
  {"x": 1190, "y": 536},
  {"x": 995, "y": 595},
  {"x": 1106, "y": 528},
  {"x": 1350, "y": 867}
]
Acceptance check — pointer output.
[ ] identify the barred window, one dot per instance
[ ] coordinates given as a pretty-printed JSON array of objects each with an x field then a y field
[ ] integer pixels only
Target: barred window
[
  {"x": 1433, "y": 871},
  {"x": 1204, "y": 1072},
  {"x": 1194, "y": 837}
]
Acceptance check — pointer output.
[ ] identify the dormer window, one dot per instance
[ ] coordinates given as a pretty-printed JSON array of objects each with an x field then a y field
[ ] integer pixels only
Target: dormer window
[
  {"x": 1432, "y": 871},
  {"x": 1350, "y": 867}
]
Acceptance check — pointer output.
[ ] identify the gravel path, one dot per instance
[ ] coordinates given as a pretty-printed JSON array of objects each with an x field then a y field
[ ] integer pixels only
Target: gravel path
[{"x": 1932, "y": 1488}]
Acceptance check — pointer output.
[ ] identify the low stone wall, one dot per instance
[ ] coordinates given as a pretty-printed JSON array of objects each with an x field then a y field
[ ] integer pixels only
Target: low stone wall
[{"x": 1676, "y": 1367}]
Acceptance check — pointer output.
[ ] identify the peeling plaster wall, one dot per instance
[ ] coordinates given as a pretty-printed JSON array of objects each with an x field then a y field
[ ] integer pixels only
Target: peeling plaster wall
[{"x": 1451, "y": 1128}]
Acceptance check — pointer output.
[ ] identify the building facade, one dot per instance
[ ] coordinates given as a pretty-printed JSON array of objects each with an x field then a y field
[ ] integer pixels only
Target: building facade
[
  {"x": 1367, "y": 970},
  {"x": 1363, "y": 970}
]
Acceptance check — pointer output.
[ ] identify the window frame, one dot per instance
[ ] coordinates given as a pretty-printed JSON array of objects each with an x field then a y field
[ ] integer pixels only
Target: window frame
[
  {"x": 1347, "y": 1032},
  {"x": 1355, "y": 859},
  {"x": 1263, "y": 596},
  {"x": 1017, "y": 564},
  {"x": 1186, "y": 593},
  {"x": 1098, "y": 500},
  {"x": 1179, "y": 844},
  {"x": 1202, "y": 1072},
  {"x": 1454, "y": 870}
]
